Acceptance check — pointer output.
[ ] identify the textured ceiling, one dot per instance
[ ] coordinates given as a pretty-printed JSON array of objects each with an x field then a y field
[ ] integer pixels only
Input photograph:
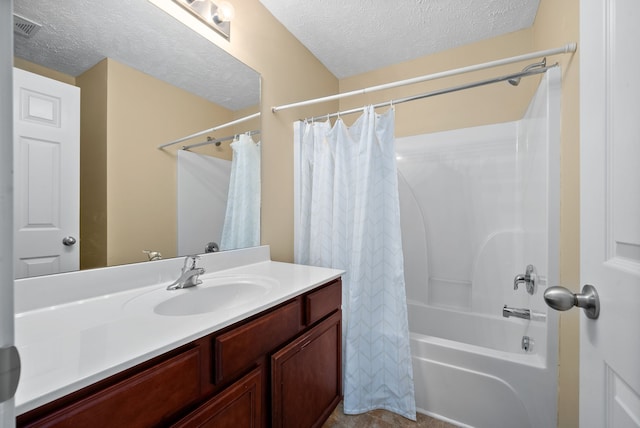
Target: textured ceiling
[
  {"x": 77, "y": 34},
  {"x": 355, "y": 36}
]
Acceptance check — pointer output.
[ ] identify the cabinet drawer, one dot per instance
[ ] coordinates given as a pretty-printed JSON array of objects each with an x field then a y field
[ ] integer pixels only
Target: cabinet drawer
[
  {"x": 145, "y": 399},
  {"x": 238, "y": 349},
  {"x": 322, "y": 302}
]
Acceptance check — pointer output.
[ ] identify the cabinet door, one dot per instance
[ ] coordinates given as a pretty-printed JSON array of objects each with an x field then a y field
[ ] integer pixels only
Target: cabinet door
[
  {"x": 238, "y": 406},
  {"x": 307, "y": 378}
]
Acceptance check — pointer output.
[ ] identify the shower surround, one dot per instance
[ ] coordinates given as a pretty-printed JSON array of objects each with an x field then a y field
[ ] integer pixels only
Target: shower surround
[{"x": 477, "y": 206}]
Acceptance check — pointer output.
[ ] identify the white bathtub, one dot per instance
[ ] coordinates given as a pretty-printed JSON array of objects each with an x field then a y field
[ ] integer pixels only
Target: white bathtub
[
  {"x": 481, "y": 378},
  {"x": 477, "y": 206}
]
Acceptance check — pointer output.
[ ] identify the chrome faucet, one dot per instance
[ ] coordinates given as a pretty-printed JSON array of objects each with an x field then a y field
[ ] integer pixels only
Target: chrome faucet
[
  {"x": 516, "y": 312},
  {"x": 189, "y": 276}
]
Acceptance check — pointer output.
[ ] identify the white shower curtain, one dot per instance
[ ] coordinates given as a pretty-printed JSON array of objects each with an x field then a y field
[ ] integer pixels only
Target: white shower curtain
[
  {"x": 241, "y": 227},
  {"x": 349, "y": 218}
]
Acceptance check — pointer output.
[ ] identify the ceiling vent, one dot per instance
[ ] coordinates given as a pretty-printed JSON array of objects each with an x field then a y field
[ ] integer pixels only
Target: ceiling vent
[{"x": 24, "y": 27}]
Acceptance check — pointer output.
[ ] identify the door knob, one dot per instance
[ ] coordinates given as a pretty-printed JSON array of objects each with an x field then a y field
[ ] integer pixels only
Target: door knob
[
  {"x": 9, "y": 372},
  {"x": 69, "y": 241},
  {"x": 561, "y": 299}
]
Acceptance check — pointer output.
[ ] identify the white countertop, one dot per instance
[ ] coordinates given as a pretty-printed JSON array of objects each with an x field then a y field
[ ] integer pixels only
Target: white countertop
[{"x": 68, "y": 346}]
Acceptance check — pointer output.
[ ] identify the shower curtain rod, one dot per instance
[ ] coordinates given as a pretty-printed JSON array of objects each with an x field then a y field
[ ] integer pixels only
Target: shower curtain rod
[
  {"x": 527, "y": 73},
  {"x": 568, "y": 48},
  {"x": 217, "y": 141},
  {"x": 206, "y": 131}
]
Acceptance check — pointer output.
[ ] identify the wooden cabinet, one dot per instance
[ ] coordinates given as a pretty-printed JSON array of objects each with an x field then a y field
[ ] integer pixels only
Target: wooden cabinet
[
  {"x": 306, "y": 377},
  {"x": 225, "y": 379},
  {"x": 239, "y": 347},
  {"x": 147, "y": 398},
  {"x": 239, "y": 405}
]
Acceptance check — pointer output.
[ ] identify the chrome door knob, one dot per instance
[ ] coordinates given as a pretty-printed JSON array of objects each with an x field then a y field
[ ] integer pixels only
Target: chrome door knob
[
  {"x": 69, "y": 241},
  {"x": 561, "y": 299},
  {"x": 9, "y": 372}
]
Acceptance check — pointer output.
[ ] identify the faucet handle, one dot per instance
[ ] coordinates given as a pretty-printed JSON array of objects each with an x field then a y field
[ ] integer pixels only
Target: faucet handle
[
  {"x": 194, "y": 258},
  {"x": 529, "y": 279}
]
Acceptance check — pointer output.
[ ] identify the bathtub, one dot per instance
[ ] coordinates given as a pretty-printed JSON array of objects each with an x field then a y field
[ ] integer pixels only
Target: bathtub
[
  {"x": 478, "y": 205},
  {"x": 471, "y": 370}
]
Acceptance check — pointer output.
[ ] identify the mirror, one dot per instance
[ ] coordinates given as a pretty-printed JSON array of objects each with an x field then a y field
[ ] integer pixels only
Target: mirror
[{"x": 145, "y": 79}]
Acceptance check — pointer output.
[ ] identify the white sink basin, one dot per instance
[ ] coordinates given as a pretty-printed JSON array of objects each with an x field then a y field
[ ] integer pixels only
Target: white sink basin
[{"x": 214, "y": 294}]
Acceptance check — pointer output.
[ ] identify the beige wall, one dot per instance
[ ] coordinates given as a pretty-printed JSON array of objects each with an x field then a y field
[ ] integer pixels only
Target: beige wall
[{"x": 93, "y": 166}]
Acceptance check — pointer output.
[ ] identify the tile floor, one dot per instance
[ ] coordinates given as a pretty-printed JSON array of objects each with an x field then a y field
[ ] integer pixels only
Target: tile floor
[{"x": 380, "y": 419}]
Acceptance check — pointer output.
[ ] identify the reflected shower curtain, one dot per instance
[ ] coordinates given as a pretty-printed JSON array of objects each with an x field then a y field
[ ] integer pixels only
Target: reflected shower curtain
[
  {"x": 241, "y": 227},
  {"x": 349, "y": 218}
]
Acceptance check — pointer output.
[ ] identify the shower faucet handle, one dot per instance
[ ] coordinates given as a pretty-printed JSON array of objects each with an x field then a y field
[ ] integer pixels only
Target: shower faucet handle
[{"x": 529, "y": 279}]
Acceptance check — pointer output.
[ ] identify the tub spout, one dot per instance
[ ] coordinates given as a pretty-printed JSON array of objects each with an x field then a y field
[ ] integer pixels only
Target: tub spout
[{"x": 516, "y": 312}]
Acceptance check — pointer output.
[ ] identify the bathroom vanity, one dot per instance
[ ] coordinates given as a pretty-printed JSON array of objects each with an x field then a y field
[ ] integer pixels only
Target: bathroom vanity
[{"x": 275, "y": 362}]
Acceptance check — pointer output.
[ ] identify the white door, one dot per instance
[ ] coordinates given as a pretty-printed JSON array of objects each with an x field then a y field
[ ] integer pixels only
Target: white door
[
  {"x": 610, "y": 211},
  {"x": 46, "y": 175},
  {"x": 7, "y": 407}
]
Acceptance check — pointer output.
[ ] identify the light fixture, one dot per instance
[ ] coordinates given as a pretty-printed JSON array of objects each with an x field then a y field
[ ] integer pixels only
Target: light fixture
[{"x": 216, "y": 16}]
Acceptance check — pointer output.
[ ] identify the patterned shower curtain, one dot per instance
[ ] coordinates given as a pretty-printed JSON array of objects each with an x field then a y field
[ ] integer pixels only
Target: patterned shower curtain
[
  {"x": 349, "y": 218},
  {"x": 241, "y": 228}
]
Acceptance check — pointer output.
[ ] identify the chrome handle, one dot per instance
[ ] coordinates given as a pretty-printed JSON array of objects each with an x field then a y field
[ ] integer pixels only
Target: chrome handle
[
  {"x": 529, "y": 279},
  {"x": 194, "y": 258},
  {"x": 9, "y": 372},
  {"x": 69, "y": 241},
  {"x": 561, "y": 299}
]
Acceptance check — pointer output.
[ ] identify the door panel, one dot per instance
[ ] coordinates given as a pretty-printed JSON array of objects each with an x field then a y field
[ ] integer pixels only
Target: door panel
[
  {"x": 46, "y": 163},
  {"x": 610, "y": 212}
]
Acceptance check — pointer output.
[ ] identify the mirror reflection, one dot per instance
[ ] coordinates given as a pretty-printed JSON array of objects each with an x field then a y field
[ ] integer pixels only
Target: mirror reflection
[{"x": 144, "y": 80}]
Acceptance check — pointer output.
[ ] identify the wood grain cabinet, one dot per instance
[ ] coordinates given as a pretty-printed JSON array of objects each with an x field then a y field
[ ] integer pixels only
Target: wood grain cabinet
[
  {"x": 306, "y": 377},
  {"x": 281, "y": 367},
  {"x": 239, "y": 405}
]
